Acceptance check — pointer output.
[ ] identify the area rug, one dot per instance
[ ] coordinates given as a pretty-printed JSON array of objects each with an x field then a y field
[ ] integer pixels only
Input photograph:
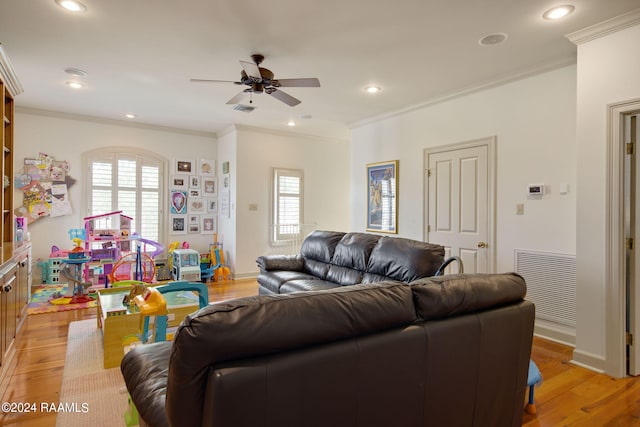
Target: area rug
[
  {"x": 96, "y": 396},
  {"x": 40, "y": 300}
]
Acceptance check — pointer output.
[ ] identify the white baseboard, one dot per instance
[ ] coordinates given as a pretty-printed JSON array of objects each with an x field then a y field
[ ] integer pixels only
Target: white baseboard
[
  {"x": 590, "y": 361},
  {"x": 553, "y": 332},
  {"x": 249, "y": 275}
]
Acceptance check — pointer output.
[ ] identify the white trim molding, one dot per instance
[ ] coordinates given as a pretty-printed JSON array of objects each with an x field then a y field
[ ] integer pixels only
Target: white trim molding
[
  {"x": 604, "y": 28},
  {"x": 9, "y": 76},
  {"x": 590, "y": 361},
  {"x": 615, "y": 254}
]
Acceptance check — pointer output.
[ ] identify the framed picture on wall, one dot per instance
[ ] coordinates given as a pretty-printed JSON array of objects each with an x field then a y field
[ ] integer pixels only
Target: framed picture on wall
[
  {"x": 178, "y": 224},
  {"x": 209, "y": 186},
  {"x": 208, "y": 224},
  {"x": 194, "y": 181},
  {"x": 178, "y": 202},
  {"x": 206, "y": 167},
  {"x": 184, "y": 166},
  {"x": 212, "y": 205},
  {"x": 382, "y": 197},
  {"x": 178, "y": 182},
  {"x": 194, "y": 228},
  {"x": 196, "y": 205}
]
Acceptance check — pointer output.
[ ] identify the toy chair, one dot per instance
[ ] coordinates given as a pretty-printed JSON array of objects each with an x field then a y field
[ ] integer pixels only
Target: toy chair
[{"x": 152, "y": 303}]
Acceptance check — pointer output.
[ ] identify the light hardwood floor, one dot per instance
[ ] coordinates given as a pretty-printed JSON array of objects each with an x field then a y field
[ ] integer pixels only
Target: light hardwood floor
[{"x": 569, "y": 395}]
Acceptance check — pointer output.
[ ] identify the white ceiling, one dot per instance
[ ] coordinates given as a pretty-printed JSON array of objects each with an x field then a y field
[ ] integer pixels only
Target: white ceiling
[{"x": 140, "y": 54}]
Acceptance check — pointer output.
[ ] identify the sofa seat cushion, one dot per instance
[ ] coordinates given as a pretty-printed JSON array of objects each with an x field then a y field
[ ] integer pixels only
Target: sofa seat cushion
[
  {"x": 307, "y": 285},
  {"x": 145, "y": 372},
  {"x": 273, "y": 280}
]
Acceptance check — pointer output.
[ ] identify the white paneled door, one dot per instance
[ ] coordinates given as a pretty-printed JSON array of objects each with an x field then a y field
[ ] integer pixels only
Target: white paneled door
[{"x": 458, "y": 203}]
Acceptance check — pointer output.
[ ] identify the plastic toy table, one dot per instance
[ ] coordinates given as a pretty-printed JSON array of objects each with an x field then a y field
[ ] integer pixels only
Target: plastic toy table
[{"x": 120, "y": 326}]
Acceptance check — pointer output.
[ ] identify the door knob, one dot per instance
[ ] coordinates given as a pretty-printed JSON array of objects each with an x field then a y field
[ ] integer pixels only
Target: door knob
[{"x": 482, "y": 245}]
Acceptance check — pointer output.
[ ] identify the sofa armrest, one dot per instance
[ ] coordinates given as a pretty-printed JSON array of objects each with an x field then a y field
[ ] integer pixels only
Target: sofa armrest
[{"x": 280, "y": 262}]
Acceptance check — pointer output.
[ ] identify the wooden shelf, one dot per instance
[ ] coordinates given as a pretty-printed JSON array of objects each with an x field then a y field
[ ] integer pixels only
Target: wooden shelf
[{"x": 6, "y": 165}]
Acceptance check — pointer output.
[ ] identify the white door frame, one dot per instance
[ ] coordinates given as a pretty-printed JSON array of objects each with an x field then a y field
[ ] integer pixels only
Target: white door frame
[
  {"x": 615, "y": 253},
  {"x": 490, "y": 143}
]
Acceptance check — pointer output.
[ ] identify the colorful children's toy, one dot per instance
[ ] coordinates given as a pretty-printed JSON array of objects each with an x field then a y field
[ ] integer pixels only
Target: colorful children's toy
[
  {"x": 133, "y": 266},
  {"x": 222, "y": 272},
  {"x": 185, "y": 265},
  {"x": 72, "y": 270},
  {"x": 152, "y": 303}
]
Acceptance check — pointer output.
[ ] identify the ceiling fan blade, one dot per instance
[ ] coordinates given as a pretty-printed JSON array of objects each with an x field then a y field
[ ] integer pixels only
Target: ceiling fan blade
[
  {"x": 310, "y": 82},
  {"x": 236, "y": 99},
  {"x": 251, "y": 69},
  {"x": 284, "y": 97},
  {"x": 213, "y": 81}
]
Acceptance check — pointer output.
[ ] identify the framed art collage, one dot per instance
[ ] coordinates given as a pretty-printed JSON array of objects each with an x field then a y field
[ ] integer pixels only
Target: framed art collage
[{"x": 193, "y": 197}]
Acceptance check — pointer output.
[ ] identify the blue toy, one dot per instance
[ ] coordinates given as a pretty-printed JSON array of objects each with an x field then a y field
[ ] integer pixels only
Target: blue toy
[{"x": 533, "y": 379}]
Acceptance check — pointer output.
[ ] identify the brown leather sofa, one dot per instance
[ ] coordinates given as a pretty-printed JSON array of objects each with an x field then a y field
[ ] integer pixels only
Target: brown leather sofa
[
  {"x": 330, "y": 259},
  {"x": 443, "y": 351}
]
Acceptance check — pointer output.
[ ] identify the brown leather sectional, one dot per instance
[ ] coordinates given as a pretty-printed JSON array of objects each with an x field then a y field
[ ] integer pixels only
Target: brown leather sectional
[
  {"x": 330, "y": 259},
  {"x": 442, "y": 351}
]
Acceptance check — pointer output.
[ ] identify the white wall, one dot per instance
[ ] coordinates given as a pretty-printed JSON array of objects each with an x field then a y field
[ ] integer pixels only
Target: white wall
[
  {"x": 608, "y": 70},
  {"x": 534, "y": 122},
  {"x": 67, "y": 138},
  {"x": 227, "y": 149},
  {"x": 326, "y": 186}
]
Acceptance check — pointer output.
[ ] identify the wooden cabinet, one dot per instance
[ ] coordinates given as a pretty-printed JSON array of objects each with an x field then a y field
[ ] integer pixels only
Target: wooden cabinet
[
  {"x": 23, "y": 293},
  {"x": 14, "y": 291},
  {"x": 8, "y": 312}
]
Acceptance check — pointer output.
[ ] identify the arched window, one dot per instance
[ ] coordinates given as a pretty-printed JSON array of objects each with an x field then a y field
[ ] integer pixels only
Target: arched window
[{"x": 131, "y": 181}]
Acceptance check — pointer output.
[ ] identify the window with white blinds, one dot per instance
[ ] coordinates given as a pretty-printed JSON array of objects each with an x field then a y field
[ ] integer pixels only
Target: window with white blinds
[
  {"x": 287, "y": 204},
  {"x": 127, "y": 181}
]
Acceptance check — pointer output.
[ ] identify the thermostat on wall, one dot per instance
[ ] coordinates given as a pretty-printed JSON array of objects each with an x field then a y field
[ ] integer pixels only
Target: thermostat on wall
[{"x": 536, "y": 189}]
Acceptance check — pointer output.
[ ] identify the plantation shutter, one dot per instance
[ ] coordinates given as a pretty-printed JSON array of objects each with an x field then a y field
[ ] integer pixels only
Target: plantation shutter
[
  {"x": 288, "y": 203},
  {"x": 130, "y": 183}
]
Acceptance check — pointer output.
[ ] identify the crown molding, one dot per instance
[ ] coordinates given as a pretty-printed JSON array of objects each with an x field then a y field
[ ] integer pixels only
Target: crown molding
[
  {"x": 605, "y": 28},
  {"x": 8, "y": 74},
  {"x": 544, "y": 68},
  {"x": 82, "y": 118},
  {"x": 291, "y": 134}
]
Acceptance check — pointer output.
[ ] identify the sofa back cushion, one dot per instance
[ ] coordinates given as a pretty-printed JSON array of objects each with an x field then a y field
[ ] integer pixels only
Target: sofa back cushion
[
  {"x": 402, "y": 259},
  {"x": 351, "y": 257},
  {"x": 264, "y": 325},
  {"x": 318, "y": 249},
  {"x": 457, "y": 294}
]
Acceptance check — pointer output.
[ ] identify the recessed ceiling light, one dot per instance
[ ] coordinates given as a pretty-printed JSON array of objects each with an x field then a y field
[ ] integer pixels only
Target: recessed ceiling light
[
  {"x": 77, "y": 72},
  {"x": 373, "y": 89},
  {"x": 72, "y": 5},
  {"x": 291, "y": 123},
  {"x": 493, "y": 39},
  {"x": 558, "y": 12},
  {"x": 74, "y": 84},
  {"x": 130, "y": 116}
]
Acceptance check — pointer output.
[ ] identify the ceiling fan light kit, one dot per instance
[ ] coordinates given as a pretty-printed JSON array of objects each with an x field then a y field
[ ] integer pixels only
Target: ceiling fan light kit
[{"x": 261, "y": 80}]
